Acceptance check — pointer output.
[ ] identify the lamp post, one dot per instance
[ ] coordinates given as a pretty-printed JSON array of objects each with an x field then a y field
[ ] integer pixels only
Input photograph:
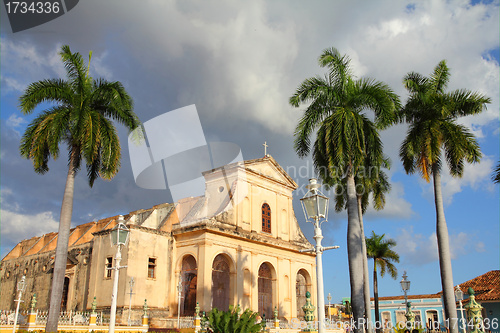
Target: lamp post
[
  {"x": 315, "y": 207},
  {"x": 459, "y": 296},
  {"x": 21, "y": 285},
  {"x": 119, "y": 238},
  {"x": 131, "y": 284},
  {"x": 329, "y": 298},
  {"x": 405, "y": 286}
]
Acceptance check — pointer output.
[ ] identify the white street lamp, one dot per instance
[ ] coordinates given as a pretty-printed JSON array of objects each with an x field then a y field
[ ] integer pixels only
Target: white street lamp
[
  {"x": 459, "y": 296},
  {"x": 21, "y": 286},
  {"x": 315, "y": 207},
  {"x": 131, "y": 284},
  {"x": 119, "y": 238},
  {"x": 329, "y": 298},
  {"x": 179, "y": 296},
  {"x": 405, "y": 287}
]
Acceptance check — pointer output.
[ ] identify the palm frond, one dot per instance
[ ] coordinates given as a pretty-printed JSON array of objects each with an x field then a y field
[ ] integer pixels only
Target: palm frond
[
  {"x": 53, "y": 90},
  {"x": 496, "y": 174},
  {"x": 75, "y": 68},
  {"x": 440, "y": 77},
  {"x": 465, "y": 103},
  {"x": 460, "y": 146}
]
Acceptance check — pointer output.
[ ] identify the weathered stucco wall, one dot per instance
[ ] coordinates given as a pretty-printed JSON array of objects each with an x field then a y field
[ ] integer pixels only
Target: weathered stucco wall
[{"x": 38, "y": 271}]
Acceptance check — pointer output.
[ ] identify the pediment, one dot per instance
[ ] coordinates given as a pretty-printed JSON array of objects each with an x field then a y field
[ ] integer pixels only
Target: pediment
[{"x": 270, "y": 169}]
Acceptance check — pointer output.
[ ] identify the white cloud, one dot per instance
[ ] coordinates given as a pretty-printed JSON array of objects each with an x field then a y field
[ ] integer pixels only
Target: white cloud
[
  {"x": 416, "y": 248},
  {"x": 16, "y": 226},
  {"x": 480, "y": 247},
  {"x": 419, "y": 249},
  {"x": 475, "y": 176},
  {"x": 15, "y": 122},
  {"x": 396, "y": 205},
  {"x": 39, "y": 64}
]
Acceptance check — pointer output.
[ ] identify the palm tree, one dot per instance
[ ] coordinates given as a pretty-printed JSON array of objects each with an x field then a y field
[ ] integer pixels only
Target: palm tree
[
  {"x": 379, "y": 249},
  {"x": 82, "y": 119},
  {"x": 345, "y": 138},
  {"x": 434, "y": 135},
  {"x": 377, "y": 185},
  {"x": 496, "y": 174}
]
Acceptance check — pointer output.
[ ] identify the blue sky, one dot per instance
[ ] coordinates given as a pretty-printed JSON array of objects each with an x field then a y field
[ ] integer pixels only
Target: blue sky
[{"x": 239, "y": 62}]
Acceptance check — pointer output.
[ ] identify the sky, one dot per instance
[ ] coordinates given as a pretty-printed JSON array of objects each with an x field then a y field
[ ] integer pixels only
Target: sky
[{"x": 239, "y": 62}]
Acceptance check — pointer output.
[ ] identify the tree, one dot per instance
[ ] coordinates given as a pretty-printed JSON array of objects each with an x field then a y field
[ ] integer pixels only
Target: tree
[
  {"x": 434, "y": 135},
  {"x": 496, "y": 174},
  {"x": 82, "y": 118},
  {"x": 374, "y": 183},
  {"x": 379, "y": 249},
  {"x": 345, "y": 138}
]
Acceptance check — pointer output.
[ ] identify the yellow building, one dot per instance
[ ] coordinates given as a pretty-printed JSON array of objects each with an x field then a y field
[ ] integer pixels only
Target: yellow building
[{"x": 237, "y": 244}]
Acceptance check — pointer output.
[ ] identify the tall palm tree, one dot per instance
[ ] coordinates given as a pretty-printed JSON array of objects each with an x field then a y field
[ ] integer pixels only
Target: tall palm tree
[
  {"x": 379, "y": 249},
  {"x": 496, "y": 174},
  {"x": 434, "y": 135},
  {"x": 374, "y": 183},
  {"x": 81, "y": 118},
  {"x": 345, "y": 138}
]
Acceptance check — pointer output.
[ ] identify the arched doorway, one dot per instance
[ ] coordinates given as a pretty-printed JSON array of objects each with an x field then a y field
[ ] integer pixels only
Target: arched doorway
[
  {"x": 64, "y": 299},
  {"x": 265, "y": 286},
  {"x": 189, "y": 278},
  {"x": 301, "y": 287},
  {"x": 220, "y": 283}
]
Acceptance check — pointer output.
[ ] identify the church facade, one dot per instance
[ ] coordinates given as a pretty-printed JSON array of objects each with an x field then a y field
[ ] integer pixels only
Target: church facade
[{"x": 238, "y": 244}]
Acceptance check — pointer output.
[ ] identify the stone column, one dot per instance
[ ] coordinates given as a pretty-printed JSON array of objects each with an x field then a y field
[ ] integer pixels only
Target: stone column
[
  {"x": 474, "y": 316},
  {"x": 197, "y": 319},
  {"x": 276, "y": 319},
  {"x": 93, "y": 317},
  {"x": 32, "y": 314},
  {"x": 145, "y": 317},
  {"x": 410, "y": 316},
  {"x": 309, "y": 315}
]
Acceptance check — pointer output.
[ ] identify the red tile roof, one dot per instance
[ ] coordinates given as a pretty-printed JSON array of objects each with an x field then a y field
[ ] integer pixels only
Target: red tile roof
[{"x": 486, "y": 287}]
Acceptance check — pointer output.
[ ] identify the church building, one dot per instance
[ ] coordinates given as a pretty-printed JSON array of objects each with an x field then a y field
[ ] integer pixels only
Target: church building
[{"x": 238, "y": 244}]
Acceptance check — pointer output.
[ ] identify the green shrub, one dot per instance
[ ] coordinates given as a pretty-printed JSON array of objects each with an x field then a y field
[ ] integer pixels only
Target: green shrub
[{"x": 230, "y": 322}]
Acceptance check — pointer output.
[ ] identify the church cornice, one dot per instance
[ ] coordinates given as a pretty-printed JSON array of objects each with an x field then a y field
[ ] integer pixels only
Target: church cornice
[
  {"x": 136, "y": 227},
  {"x": 228, "y": 230}
]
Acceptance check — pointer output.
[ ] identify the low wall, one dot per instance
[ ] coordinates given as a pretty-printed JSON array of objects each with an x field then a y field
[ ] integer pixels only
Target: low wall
[{"x": 74, "y": 328}]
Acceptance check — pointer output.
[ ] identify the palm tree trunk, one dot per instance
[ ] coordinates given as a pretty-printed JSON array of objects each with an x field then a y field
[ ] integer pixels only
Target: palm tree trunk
[
  {"x": 450, "y": 308},
  {"x": 62, "y": 248},
  {"x": 375, "y": 294},
  {"x": 366, "y": 278},
  {"x": 355, "y": 255}
]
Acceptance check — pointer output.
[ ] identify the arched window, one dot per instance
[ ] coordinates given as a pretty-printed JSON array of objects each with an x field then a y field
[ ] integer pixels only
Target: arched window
[
  {"x": 220, "y": 283},
  {"x": 266, "y": 218}
]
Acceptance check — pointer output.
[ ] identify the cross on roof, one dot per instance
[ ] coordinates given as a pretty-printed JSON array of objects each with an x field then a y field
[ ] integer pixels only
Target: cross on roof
[{"x": 265, "y": 148}]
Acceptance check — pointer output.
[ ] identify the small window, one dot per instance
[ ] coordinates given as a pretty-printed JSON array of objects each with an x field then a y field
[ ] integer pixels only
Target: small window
[
  {"x": 109, "y": 265},
  {"x": 266, "y": 218},
  {"x": 152, "y": 268}
]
